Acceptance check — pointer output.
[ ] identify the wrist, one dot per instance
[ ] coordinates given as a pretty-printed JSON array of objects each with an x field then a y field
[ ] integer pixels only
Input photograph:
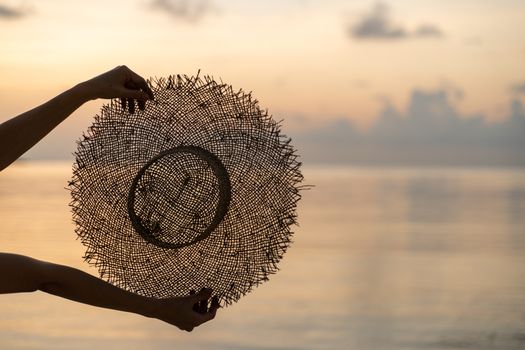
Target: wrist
[
  {"x": 83, "y": 92},
  {"x": 147, "y": 306}
]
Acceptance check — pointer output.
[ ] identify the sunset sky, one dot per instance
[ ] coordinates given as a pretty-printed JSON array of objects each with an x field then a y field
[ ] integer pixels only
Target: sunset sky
[{"x": 308, "y": 62}]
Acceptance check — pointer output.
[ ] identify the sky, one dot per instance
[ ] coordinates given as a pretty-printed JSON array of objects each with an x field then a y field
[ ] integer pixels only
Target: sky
[
  {"x": 314, "y": 64},
  {"x": 429, "y": 131}
]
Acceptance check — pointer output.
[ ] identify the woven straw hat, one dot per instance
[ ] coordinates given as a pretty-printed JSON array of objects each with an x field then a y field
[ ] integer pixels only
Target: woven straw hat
[{"x": 198, "y": 190}]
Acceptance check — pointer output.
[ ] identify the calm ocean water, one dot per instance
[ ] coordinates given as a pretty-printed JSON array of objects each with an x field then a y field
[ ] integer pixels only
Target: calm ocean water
[{"x": 385, "y": 258}]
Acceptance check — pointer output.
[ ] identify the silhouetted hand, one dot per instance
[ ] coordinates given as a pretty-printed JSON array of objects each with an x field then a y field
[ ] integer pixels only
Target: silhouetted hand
[
  {"x": 120, "y": 82},
  {"x": 185, "y": 312}
]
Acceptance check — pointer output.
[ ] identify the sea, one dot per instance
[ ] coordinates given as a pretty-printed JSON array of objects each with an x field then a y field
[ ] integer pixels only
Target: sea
[{"x": 383, "y": 258}]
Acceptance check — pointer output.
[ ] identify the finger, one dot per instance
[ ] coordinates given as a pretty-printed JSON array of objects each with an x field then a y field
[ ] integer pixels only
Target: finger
[
  {"x": 201, "y": 318},
  {"x": 214, "y": 306},
  {"x": 149, "y": 92},
  {"x": 145, "y": 87},
  {"x": 204, "y": 294},
  {"x": 141, "y": 83},
  {"x": 123, "y": 102},
  {"x": 142, "y": 104},
  {"x": 203, "y": 306},
  {"x": 196, "y": 305},
  {"x": 131, "y": 105},
  {"x": 132, "y": 93}
]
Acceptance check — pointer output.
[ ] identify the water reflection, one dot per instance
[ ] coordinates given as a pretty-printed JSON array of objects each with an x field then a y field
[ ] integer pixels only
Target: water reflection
[{"x": 384, "y": 258}]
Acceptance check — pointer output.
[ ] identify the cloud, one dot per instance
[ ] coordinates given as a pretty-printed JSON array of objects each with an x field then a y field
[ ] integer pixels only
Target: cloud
[
  {"x": 189, "y": 10},
  {"x": 519, "y": 88},
  {"x": 429, "y": 130},
  {"x": 10, "y": 13},
  {"x": 428, "y": 30},
  {"x": 377, "y": 24}
]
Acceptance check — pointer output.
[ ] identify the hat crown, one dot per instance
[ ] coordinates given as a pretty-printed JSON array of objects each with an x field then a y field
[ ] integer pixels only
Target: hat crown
[{"x": 179, "y": 197}]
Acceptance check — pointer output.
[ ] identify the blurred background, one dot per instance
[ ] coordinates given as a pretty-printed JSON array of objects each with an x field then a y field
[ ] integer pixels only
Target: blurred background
[{"x": 410, "y": 121}]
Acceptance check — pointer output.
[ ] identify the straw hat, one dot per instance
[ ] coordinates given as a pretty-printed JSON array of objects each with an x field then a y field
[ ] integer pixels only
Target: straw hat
[{"x": 199, "y": 190}]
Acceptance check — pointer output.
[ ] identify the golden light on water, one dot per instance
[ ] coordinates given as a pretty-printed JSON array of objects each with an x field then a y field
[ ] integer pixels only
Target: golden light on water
[{"x": 381, "y": 257}]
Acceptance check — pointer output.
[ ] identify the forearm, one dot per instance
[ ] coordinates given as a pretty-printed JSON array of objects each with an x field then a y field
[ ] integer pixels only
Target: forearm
[
  {"x": 20, "y": 274},
  {"x": 20, "y": 133},
  {"x": 23, "y": 274},
  {"x": 73, "y": 284}
]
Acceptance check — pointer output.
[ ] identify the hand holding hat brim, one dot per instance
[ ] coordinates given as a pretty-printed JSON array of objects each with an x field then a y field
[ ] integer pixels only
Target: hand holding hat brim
[
  {"x": 185, "y": 312},
  {"x": 120, "y": 82}
]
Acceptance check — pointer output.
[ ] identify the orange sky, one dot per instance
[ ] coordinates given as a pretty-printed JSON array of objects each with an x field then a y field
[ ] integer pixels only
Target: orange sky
[{"x": 298, "y": 57}]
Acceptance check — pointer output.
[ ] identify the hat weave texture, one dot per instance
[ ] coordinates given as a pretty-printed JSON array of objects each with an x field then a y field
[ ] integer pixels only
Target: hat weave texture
[{"x": 198, "y": 190}]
